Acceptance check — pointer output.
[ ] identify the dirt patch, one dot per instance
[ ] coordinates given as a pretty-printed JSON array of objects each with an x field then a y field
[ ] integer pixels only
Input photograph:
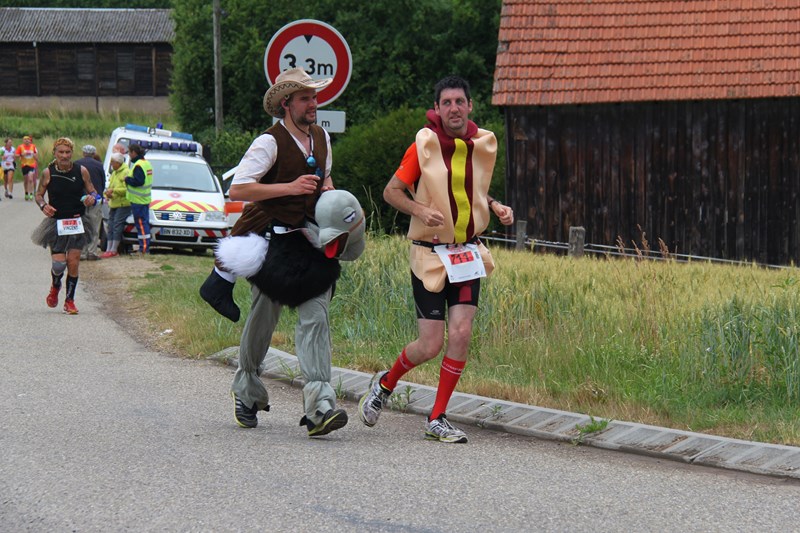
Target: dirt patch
[{"x": 111, "y": 283}]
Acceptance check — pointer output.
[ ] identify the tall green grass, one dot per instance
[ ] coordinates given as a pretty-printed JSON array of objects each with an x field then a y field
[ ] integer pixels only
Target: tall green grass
[
  {"x": 82, "y": 127},
  {"x": 74, "y": 124},
  {"x": 694, "y": 346}
]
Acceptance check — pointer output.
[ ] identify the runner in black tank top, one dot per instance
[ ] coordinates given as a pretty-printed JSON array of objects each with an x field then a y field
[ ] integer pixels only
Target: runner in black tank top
[{"x": 69, "y": 190}]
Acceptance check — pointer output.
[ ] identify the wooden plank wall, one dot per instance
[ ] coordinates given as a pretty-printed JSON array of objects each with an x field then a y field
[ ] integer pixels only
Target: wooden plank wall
[
  {"x": 58, "y": 70},
  {"x": 710, "y": 178}
]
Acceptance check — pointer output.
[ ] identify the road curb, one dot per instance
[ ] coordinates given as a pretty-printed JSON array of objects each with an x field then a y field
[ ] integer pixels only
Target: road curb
[{"x": 552, "y": 424}]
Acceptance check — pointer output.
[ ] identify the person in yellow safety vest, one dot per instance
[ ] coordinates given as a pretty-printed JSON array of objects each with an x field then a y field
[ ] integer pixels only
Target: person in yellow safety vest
[{"x": 139, "y": 184}]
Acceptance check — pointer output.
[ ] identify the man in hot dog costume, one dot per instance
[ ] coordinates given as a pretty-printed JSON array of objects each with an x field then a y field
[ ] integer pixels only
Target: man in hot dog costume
[
  {"x": 443, "y": 184},
  {"x": 283, "y": 175}
]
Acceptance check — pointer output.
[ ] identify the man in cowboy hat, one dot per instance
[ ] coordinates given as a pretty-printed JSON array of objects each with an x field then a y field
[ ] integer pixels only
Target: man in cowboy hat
[{"x": 282, "y": 175}]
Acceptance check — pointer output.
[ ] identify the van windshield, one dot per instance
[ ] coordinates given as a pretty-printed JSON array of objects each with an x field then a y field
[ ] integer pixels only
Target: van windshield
[{"x": 183, "y": 176}]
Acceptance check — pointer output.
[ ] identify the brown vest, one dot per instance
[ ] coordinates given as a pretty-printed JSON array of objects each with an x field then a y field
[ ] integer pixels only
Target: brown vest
[{"x": 290, "y": 163}]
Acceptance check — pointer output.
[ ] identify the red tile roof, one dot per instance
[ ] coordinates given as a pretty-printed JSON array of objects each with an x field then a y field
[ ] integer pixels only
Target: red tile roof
[{"x": 592, "y": 51}]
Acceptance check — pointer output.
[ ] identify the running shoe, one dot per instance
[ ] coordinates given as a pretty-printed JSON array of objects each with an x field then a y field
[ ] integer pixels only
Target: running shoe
[
  {"x": 52, "y": 298},
  {"x": 331, "y": 421},
  {"x": 371, "y": 404},
  {"x": 440, "y": 429},
  {"x": 106, "y": 255},
  {"x": 69, "y": 307},
  {"x": 245, "y": 416}
]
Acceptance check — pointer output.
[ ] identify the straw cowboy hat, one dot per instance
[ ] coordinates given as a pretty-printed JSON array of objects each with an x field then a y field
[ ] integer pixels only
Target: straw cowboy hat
[{"x": 288, "y": 82}]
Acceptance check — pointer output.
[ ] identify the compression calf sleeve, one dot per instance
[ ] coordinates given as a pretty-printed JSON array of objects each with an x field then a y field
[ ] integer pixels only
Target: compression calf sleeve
[
  {"x": 448, "y": 379},
  {"x": 72, "y": 283},
  {"x": 401, "y": 366},
  {"x": 57, "y": 272}
]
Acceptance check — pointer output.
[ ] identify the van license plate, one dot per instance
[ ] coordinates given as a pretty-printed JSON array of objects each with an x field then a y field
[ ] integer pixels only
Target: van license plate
[{"x": 177, "y": 232}]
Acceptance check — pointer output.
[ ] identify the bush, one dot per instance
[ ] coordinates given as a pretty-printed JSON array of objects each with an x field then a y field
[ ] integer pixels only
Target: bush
[
  {"x": 367, "y": 156},
  {"x": 227, "y": 149}
]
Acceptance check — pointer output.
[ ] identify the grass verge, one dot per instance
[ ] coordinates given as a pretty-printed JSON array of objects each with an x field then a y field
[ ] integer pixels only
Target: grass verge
[{"x": 694, "y": 346}]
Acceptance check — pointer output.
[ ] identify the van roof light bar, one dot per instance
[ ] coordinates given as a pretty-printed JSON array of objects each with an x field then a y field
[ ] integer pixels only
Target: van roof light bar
[{"x": 160, "y": 132}]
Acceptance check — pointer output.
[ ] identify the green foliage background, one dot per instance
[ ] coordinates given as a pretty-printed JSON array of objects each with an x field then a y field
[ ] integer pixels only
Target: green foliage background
[{"x": 400, "y": 48}]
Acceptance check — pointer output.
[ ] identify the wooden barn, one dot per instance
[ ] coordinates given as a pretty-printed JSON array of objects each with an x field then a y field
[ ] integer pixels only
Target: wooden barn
[
  {"x": 681, "y": 118},
  {"x": 86, "y": 58}
]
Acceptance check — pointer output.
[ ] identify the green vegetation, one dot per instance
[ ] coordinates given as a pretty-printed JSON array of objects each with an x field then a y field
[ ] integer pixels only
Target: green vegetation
[
  {"x": 82, "y": 127},
  {"x": 393, "y": 64},
  {"x": 694, "y": 346}
]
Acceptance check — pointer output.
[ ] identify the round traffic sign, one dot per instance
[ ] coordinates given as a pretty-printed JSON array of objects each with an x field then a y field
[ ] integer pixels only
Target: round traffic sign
[{"x": 316, "y": 47}]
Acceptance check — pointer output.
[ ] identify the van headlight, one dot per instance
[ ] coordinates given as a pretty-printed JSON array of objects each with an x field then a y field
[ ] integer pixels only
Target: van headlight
[{"x": 215, "y": 216}]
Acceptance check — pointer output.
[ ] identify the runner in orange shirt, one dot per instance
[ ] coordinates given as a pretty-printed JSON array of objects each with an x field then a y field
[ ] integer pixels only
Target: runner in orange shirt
[{"x": 28, "y": 157}]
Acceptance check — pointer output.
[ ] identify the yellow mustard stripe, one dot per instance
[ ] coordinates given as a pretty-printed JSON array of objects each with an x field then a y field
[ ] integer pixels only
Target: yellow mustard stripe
[{"x": 458, "y": 168}]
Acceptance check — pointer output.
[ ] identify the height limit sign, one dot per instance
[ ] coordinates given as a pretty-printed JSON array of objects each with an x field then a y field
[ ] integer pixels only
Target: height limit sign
[{"x": 322, "y": 52}]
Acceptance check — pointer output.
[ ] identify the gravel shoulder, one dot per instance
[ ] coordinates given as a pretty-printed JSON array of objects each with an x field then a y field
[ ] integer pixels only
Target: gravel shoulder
[{"x": 111, "y": 283}]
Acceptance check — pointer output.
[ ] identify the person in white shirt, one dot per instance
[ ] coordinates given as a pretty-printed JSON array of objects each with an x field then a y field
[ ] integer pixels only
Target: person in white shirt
[{"x": 8, "y": 159}]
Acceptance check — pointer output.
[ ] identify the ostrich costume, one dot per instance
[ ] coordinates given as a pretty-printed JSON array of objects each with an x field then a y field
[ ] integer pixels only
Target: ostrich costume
[{"x": 296, "y": 268}]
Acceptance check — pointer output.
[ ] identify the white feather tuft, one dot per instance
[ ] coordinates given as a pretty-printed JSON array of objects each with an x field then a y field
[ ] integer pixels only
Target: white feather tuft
[{"x": 242, "y": 256}]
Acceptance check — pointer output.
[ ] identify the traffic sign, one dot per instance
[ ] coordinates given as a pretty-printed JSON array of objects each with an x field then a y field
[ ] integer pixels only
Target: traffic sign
[
  {"x": 333, "y": 121},
  {"x": 316, "y": 47}
]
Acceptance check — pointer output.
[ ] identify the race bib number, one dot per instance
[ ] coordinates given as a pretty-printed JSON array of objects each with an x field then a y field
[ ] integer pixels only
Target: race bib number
[
  {"x": 70, "y": 226},
  {"x": 461, "y": 261}
]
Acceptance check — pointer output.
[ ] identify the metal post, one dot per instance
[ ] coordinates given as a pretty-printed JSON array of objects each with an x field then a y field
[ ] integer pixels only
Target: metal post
[
  {"x": 217, "y": 68},
  {"x": 577, "y": 236},
  {"x": 522, "y": 226}
]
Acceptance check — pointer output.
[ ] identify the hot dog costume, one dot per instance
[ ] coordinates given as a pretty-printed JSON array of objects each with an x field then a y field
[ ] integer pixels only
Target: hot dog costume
[{"x": 455, "y": 178}]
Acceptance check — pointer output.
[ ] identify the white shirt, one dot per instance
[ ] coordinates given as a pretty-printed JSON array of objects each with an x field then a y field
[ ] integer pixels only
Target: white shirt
[
  {"x": 8, "y": 157},
  {"x": 262, "y": 154}
]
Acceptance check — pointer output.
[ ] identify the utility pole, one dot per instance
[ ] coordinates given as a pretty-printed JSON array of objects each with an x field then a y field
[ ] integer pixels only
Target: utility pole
[{"x": 217, "y": 68}]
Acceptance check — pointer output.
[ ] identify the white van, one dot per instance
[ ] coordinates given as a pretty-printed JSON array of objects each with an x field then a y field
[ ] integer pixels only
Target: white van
[{"x": 187, "y": 208}]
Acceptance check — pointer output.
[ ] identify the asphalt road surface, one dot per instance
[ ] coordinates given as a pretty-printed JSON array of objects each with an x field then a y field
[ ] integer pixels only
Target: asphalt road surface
[{"x": 99, "y": 434}]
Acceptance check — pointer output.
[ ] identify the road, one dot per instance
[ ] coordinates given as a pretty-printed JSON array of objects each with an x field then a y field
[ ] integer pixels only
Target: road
[{"x": 97, "y": 433}]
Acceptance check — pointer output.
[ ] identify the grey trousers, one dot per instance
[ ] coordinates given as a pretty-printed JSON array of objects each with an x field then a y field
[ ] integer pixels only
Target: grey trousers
[
  {"x": 95, "y": 213},
  {"x": 312, "y": 343}
]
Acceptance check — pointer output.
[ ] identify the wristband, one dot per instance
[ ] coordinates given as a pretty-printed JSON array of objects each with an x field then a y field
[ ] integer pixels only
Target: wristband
[{"x": 491, "y": 202}]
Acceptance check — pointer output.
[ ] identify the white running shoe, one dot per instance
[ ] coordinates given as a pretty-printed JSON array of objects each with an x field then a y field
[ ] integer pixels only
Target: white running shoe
[
  {"x": 371, "y": 404},
  {"x": 440, "y": 429}
]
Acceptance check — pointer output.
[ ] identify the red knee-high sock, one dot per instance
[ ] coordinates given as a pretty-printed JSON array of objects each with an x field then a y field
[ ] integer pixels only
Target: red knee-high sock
[
  {"x": 401, "y": 366},
  {"x": 448, "y": 379}
]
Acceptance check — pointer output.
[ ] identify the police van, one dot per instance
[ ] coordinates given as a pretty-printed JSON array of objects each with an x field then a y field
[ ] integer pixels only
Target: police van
[{"x": 187, "y": 207}]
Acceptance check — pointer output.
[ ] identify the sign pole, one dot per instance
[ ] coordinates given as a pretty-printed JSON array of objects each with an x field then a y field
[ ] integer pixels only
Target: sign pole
[{"x": 217, "y": 68}]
